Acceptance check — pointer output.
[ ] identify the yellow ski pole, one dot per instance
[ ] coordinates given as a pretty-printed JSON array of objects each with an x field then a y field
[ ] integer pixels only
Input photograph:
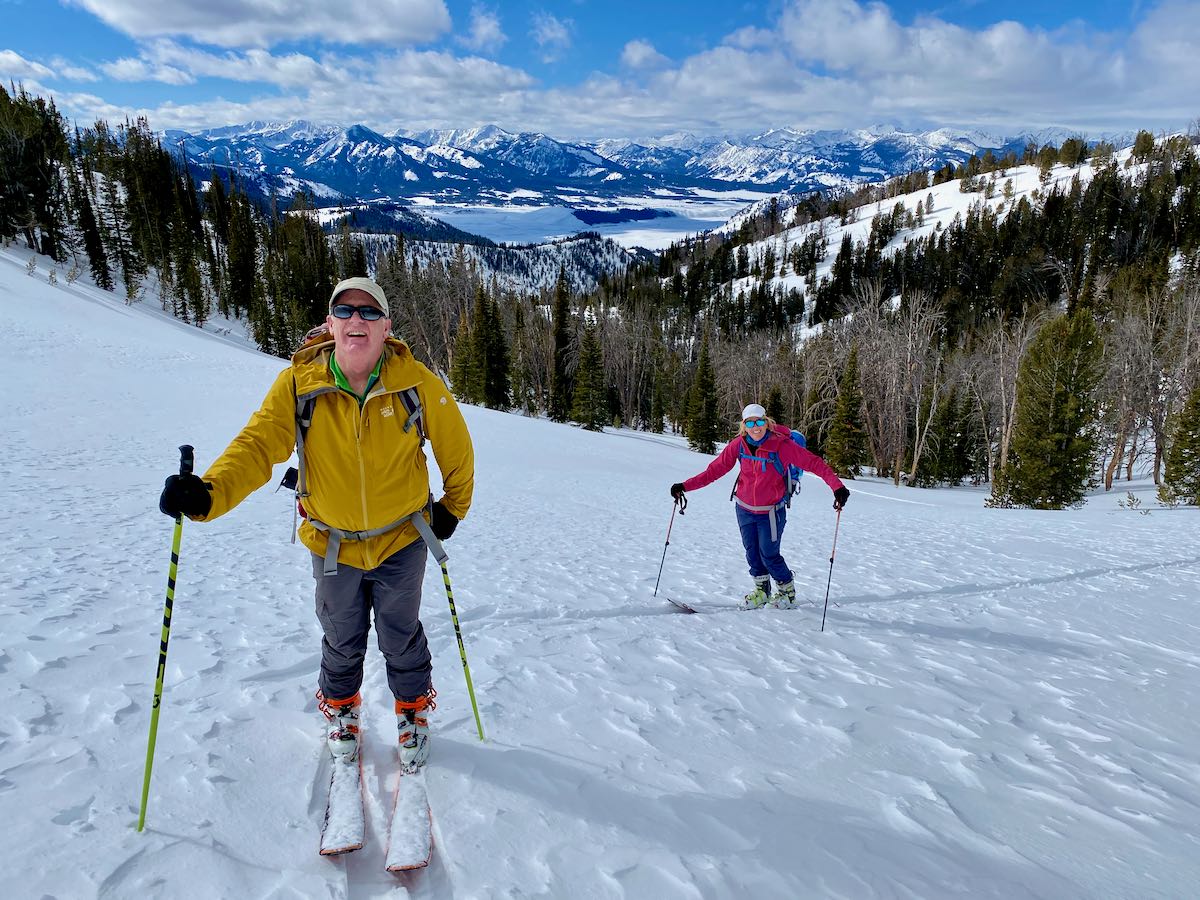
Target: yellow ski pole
[
  {"x": 186, "y": 461},
  {"x": 462, "y": 650}
]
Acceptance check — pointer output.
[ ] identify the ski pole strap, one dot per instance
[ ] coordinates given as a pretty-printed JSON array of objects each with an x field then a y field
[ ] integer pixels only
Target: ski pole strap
[
  {"x": 338, "y": 535},
  {"x": 769, "y": 510}
]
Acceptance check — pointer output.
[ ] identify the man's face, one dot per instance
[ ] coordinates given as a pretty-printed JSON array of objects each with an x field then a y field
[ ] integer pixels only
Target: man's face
[{"x": 355, "y": 337}]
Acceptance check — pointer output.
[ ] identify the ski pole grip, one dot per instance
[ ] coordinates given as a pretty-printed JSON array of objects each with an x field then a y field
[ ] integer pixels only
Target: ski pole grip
[{"x": 186, "y": 459}]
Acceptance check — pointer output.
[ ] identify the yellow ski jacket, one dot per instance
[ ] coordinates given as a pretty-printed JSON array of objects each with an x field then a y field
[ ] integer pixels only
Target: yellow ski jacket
[{"x": 363, "y": 470}]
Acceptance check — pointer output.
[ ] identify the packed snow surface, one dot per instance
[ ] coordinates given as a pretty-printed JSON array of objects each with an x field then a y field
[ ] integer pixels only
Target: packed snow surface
[{"x": 1002, "y": 703}]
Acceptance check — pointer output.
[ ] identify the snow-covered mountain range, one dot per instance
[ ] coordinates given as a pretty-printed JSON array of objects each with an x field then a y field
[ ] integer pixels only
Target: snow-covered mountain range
[{"x": 490, "y": 165}]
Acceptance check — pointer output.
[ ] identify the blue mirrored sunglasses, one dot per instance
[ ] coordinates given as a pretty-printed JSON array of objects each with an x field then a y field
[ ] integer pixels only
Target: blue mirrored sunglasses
[
  {"x": 755, "y": 423},
  {"x": 366, "y": 313}
]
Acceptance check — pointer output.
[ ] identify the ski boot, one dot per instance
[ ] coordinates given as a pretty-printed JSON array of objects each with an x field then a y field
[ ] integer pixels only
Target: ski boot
[
  {"x": 760, "y": 596},
  {"x": 342, "y": 717},
  {"x": 785, "y": 597},
  {"x": 412, "y": 718}
]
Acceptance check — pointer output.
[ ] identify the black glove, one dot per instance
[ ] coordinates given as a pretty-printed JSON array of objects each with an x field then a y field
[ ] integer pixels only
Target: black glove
[
  {"x": 186, "y": 495},
  {"x": 441, "y": 522},
  {"x": 677, "y": 490},
  {"x": 840, "y": 496}
]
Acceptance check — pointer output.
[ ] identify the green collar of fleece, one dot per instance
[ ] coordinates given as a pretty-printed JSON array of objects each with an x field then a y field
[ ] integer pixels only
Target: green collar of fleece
[{"x": 340, "y": 379}]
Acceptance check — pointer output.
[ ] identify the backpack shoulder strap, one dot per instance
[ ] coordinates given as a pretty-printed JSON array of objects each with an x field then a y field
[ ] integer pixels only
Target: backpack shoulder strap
[
  {"x": 412, "y": 405},
  {"x": 306, "y": 405}
]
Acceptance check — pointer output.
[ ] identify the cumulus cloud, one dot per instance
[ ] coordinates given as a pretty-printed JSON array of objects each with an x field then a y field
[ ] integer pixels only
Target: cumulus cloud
[
  {"x": 553, "y": 35},
  {"x": 639, "y": 54},
  {"x": 485, "y": 33},
  {"x": 130, "y": 69},
  {"x": 291, "y": 71},
  {"x": 15, "y": 66},
  {"x": 1003, "y": 74},
  {"x": 822, "y": 64},
  {"x": 71, "y": 72},
  {"x": 262, "y": 23}
]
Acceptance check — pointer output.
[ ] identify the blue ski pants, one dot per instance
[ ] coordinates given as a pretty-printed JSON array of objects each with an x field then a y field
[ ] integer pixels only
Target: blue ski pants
[{"x": 762, "y": 553}]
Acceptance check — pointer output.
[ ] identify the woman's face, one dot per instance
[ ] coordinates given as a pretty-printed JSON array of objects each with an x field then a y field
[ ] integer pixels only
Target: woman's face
[{"x": 756, "y": 428}]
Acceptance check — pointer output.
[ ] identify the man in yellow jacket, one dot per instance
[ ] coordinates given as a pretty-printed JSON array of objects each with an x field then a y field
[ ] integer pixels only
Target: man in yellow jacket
[{"x": 367, "y": 407}]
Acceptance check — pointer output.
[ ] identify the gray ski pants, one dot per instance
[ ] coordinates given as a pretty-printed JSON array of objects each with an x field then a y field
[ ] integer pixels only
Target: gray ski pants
[{"x": 344, "y": 605}]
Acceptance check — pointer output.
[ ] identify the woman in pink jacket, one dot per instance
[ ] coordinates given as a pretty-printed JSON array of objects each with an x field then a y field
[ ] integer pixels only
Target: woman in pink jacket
[{"x": 765, "y": 451}]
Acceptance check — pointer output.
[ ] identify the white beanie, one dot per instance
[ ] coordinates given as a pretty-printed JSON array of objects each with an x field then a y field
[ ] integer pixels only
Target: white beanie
[
  {"x": 361, "y": 284},
  {"x": 753, "y": 411}
]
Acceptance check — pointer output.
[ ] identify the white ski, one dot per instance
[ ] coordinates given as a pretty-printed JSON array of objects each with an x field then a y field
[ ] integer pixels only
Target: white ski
[{"x": 410, "y": 835}]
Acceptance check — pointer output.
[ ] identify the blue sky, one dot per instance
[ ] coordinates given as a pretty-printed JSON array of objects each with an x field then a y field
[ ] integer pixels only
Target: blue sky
[{"x": 612, "y": 68}]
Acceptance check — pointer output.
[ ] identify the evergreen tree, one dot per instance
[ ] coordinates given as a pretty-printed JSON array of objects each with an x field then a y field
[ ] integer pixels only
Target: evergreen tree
[
  {"x": 243, "y": 288},
  {"x": 464, "y": 371},
  {"x": 34, "y": 153},
  {"x": 1143, "y": 146},
  {"x": 1055, "y": 436},
  {"x": 846, "y": 448},
  {"x": 590, "y": 408},
  {"x": 487, "y": 366},
  {"x": 93, "y": 245},
  {"x": 560, "y": 382},
  {"x": 1182, "y": 477},
  {"x": 703, "y": 416},
  {"x": 774, "y": 405}
]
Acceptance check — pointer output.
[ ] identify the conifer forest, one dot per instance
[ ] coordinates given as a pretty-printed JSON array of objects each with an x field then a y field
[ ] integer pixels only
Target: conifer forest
[{"x": 1044, "y": 344}]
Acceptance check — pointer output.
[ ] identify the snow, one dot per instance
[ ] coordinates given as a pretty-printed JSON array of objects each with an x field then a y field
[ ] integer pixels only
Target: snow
[
  {"x": 1002, "y": 703},
  {"x": 950, "y": 203}
]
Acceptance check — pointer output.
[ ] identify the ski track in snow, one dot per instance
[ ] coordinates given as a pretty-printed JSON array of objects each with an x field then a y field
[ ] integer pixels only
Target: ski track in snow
[{"x": 1001, "y": 704}]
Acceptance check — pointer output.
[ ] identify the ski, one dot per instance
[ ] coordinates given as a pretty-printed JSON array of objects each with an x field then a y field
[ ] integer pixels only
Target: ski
[
  {"x": 679, "y": 605},
  {"x": 345, "y": 822},
  {"x": 410, "y": 834}
]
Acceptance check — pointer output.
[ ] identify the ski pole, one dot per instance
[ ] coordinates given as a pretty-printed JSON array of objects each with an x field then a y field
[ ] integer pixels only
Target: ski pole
[
  {"x": 680, "y": 504},
  {"x": 186, "y": 461},
  {"x": 462, "y": 650},
  {"x": 832, "y": 554}
]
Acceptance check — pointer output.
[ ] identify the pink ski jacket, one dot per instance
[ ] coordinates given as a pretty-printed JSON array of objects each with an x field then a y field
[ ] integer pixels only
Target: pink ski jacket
[{"x": 762, "y": 483}]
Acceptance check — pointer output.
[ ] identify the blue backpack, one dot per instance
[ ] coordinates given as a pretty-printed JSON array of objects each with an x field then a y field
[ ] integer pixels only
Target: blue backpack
[{"x": 795, "y": 473}]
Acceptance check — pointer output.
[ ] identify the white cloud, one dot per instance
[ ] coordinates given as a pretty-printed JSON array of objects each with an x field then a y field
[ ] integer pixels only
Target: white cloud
[
  {"x": 292, "y": 71},
  {"x": 261, "y": 23},
  {"x": 71, "y": 72},
  {"x": 485, "y": 34},
  {"x": 130, "y": 69},
  {"x": 16, "y": 67},
  {"x": 639, "y": 54},
  {"x": 553, "y": 35},
  {"x": 1005, "y": 74},
  {"x": 832, "y": 64}
]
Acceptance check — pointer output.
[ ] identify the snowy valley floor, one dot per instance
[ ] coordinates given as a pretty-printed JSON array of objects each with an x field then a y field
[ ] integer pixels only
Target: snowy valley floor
[{"x": 1002, "y": 705}]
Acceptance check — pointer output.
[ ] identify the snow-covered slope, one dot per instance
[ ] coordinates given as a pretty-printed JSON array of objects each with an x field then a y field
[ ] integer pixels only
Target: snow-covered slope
[
  {"x": 949, "y": 202},
  {"x": 1001, "y": 704}
]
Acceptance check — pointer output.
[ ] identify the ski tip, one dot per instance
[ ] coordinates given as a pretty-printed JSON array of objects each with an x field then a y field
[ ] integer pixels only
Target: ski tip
[
  {"x": 338, "y": 851},
  {"x": 408, "y": 867},
  {"x": 680, "y": 605}
]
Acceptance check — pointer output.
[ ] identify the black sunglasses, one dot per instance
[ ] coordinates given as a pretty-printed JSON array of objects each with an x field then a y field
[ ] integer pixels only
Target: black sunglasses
[
  {"x": 366, "y": 313},
  {"x": 755, "y": 423}
]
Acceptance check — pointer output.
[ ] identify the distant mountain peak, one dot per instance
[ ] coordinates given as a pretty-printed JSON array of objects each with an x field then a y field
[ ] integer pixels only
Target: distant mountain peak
[{"x": 486, "y": 163}]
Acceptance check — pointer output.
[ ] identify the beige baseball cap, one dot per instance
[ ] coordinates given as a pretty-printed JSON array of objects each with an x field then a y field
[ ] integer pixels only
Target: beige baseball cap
[{"x": 361, "y": 284}]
